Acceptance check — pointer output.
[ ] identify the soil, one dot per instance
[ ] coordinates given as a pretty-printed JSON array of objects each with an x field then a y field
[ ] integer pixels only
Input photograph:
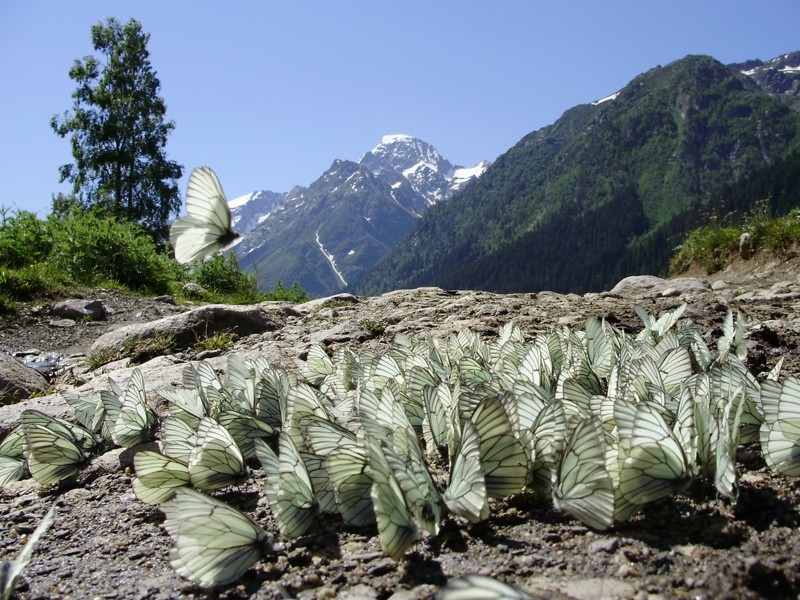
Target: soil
[{"x": 107, "y": 544}]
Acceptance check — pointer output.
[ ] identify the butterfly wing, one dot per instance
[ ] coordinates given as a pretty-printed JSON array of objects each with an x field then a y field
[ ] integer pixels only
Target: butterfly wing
[
  {"x": 214, "y": 543},
  {"x": 157, "y": 476},
  {"x": 51, "y": 456},
  {"x": 207, "y": 227},
  {"x": 583, "y": 487},
  {"x": 216, "y": 461},
  {"x": 479, "y": 587},
  {"x": 466, "y": 493}
]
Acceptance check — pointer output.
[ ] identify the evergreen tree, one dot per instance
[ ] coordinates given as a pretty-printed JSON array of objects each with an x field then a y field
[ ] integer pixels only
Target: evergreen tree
[{"x": 119, "y": 131}]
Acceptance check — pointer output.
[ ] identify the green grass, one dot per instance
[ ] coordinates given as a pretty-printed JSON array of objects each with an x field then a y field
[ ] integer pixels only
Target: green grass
[
  {"x": 712, "y": 248},
  {"x": 75, "y": 250}
]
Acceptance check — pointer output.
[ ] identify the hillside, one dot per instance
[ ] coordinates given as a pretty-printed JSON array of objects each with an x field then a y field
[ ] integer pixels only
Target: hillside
[
  {"x": 576, "y": 205},
  {"x": 328, "y": 234}
]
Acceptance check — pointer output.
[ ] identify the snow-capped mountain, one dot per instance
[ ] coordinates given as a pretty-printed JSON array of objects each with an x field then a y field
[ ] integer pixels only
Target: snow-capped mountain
[
  {"x": 417, "y": 162},
  {"x": 251, "y": 209},
  {"x": 779, "y": 76},
  {"x": 324, "y": 236}
]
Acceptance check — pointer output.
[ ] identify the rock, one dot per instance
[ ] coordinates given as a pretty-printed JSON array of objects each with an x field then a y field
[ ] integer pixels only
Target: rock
[
  {"x": 650, "y": 286},
  {"x": 77, "y": 308},
  {"x": 194, "y": 291},
  {"x": 18, "y": 381},
  {"x": 719, "y": 284},
  {"x": 188, "y": 327}
]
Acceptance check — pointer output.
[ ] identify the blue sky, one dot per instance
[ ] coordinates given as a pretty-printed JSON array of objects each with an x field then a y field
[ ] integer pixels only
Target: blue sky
[{"x": 269, "y": 93}]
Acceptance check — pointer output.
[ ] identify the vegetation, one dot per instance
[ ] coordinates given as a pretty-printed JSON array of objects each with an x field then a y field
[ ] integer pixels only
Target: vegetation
[
  {"x": 90, "y": 248},
  {"x": 608, "y": 190},
  {"x": 714, "y": 246},
  {"x": 119, "y": 133}
]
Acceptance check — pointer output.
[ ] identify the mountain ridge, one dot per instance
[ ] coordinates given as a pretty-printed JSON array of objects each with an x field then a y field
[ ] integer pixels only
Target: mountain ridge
[
  {"x": 325, "y": 235},
  {"x": 543, "y": 215}
]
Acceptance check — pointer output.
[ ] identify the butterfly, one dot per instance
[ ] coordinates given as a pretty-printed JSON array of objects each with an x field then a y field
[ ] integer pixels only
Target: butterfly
[
  {"x": 214, "y": 543},
  {"x": 127, "y": 416},
  {"x": 656, "y": 465},
  {"x": 216, "y": 461},
  {"x": 397, "y": 529},
  {"x": 503, "y": 457},
  {"x": 466, "y": 492},
  {"x": 207, "y": 227},
  {"x": 583, "y": 486},
  {"x": 479, "y": 587},
  {"x": 52, "y": 457},
  {"x": 289, "y": 490},
  {"x": 12, "y": 459},
  {"x": 157, "y": 476},
  {"x": 11, "y": 569}
]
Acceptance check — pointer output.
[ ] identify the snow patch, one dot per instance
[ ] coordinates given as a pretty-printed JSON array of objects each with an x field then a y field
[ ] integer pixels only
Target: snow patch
[
  {"x": 241, "y": 200},
  {"x": 331, "y": 260},
  {"x": 397, "y": 137},
  {"x": 606, "y": 99}
]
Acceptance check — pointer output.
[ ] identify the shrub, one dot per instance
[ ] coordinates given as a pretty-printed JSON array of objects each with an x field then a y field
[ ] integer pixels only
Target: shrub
[
  {"x": 221, "y": 275},
  {"x": 94, "y": 249},
  {"x": 292, "y": 294},
  {"x": 24, "y": 239}
]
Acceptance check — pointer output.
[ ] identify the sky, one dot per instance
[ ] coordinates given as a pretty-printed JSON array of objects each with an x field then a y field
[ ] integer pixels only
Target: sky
[{"x": 270, "y": 93}]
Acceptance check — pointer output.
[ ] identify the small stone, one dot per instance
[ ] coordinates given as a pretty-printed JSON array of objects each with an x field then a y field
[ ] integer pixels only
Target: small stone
[
  {"x": 608, "y": 545},
  {"x": 719, "y": 284}
]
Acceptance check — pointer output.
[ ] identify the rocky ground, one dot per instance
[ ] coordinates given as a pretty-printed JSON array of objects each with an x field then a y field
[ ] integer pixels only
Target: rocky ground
[{"x": 107, "y": 544}]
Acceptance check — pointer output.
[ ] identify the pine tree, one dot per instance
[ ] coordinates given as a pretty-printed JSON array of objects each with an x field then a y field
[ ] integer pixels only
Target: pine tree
[{"x": 119, "y": 131}]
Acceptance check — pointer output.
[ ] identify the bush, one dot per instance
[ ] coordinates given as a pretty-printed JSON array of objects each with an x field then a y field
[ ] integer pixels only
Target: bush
[
  {"x": 99, "y": 250},
  {"x": 24, "y": 239},
  {"x": 78, "y": 247},
  {"x": 714, "y": 247},
  {"x": 292, "y": 294},
  {"x": 221, "y": 275}
]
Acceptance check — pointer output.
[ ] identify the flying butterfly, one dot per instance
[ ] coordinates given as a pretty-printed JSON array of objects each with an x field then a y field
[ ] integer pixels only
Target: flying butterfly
[
  {"x": 214, "y": 543},
  {"x": 207, "y": 227}
]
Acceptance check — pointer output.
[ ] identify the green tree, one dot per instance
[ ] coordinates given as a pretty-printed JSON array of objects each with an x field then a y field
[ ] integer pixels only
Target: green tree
[{"x": 119, "y": 131}]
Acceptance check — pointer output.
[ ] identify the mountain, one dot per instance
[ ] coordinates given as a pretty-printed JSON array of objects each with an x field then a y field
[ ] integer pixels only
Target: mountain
[
  {"x": 326, "y": 235},
  {"x": 579, "y": 204},
  {"x": 779, "y": 77}
]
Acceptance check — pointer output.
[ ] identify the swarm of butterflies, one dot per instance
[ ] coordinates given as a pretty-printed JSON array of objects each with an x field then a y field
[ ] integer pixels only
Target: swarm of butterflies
[{"x": 601, "y": 421}]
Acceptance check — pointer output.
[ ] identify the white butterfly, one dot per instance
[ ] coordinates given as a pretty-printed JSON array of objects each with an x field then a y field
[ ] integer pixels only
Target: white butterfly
[
  {"x": 397, "y": 529},
  {"x": 214, "y": 543},
  {"x": 11, "y": 569},
  {"x": 466, "y": 492},
  {"x": 583, "y": 486},
  {"x": 503, "y": 457},
  {"x": 128, "y": 419},
  {"x": 12, "y": 459},
  {"x": 157, "y": 476},
  {"x": 289, "y": 490},
  {"x": 216, "y": 462},
  {"x": 656, "y": 465},
  {"x": 207, "y": 227},
  {"x": 479, "y": 587}
]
